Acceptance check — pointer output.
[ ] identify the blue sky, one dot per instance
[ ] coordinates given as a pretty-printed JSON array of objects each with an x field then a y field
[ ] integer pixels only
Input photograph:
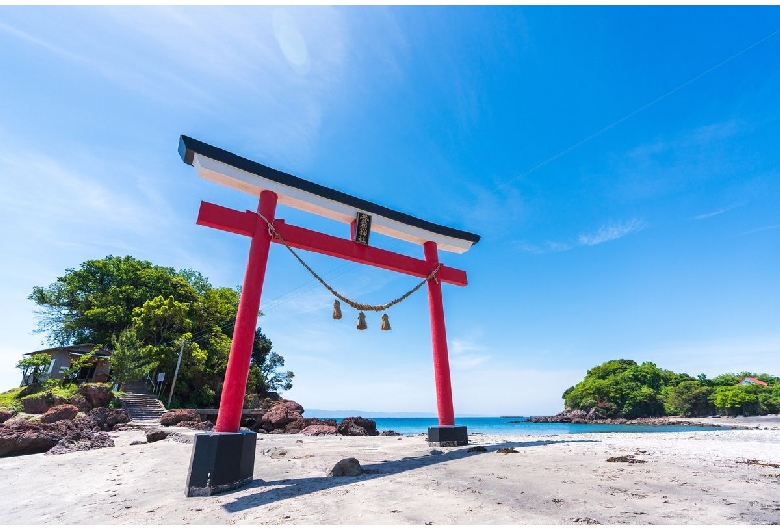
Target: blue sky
[{"x": 656, "y": 237}]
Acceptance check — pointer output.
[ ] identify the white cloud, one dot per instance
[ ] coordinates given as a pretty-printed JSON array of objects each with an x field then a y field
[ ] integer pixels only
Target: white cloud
[{"x": 611, "y": 231}]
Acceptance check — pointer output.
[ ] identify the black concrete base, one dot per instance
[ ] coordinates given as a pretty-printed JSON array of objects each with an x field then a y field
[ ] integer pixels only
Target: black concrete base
[
  {"x": 448, "y": 436},
  {"x": 221, "y": 461}
]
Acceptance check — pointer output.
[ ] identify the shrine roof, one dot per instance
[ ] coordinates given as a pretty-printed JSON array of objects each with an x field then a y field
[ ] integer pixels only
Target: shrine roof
[{"x": 229, "y": 169}]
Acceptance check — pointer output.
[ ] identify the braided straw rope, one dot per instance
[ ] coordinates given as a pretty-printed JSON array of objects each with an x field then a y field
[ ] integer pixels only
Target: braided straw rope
[{"x": 357, "y": 305}]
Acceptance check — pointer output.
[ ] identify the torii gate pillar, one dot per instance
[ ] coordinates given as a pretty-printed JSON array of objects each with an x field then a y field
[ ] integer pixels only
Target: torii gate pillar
[
  {"x": 224, "y": 459},
  {"x": 446, "y": 433}
]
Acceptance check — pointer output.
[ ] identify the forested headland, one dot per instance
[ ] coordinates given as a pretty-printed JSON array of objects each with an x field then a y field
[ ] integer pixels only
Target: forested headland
[{"x": 624, "y": 389}]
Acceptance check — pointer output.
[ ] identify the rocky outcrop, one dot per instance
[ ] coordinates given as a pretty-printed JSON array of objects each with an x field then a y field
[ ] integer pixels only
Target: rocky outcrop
[
  {"x": 591, "y": 416},
  {"x": 357, "y": 426},
  {"x": 40, "y": 403},
  {"x": 197, "y": 425},
  {"x": 319, "y": 430},
  {"x": 390, "y": 432},
  {"x": 97, "y": 394},
  {"x": 569, "y": 416},
  {"x": 175, "y": 417},
  {"x": 60, "y": 412},
  {"x": 6, "y": 415},
  {"x": 282, "y": 413},
  {"x": 81, "y": 403},
  {"x": 107, "y": 419},
  {"x": 24, "y": 437}
]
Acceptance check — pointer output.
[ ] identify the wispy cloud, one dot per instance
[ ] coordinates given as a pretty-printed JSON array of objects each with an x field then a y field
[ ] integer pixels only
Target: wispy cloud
[
  {"x": 206, "y": 58},
  {"x": 771, "y": 227},
  {"x": 677, "y": 162},
  {"x": 546, "y": 247},
  {"x": 716, "y": 212},
  {"x": 466, "y": 354},
  {"x": 611, "y": 231}
]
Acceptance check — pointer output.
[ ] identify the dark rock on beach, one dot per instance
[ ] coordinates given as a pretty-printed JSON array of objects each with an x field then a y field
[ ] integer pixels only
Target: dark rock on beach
[
  {"x": 155, "y": 435},
  {"x": 357, "y": 426},
  {"x": 390, "y": 432},
  {"x": 319, "y": 430},
  {"x": 348, "y": 467},
  {"x": 177, "y": 416}
]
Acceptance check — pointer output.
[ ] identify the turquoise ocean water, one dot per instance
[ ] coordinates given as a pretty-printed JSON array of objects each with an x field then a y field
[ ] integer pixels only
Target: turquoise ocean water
[{"x": 517, "y": 427}]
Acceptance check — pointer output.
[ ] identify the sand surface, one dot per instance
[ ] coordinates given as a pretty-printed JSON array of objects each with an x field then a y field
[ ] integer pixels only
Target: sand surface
[{"x": 694, "y": 477}]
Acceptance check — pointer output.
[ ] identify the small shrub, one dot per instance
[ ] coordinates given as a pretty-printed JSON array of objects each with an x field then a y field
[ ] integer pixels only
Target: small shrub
[
  {"x": 65, "y": 391},
  {"x": 11, "y": 399}
]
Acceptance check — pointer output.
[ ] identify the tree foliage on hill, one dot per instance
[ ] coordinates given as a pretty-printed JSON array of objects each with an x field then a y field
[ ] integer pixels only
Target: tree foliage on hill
[
  {"x": 622, "y": 388},
  {"x": 143, "y": 312}
]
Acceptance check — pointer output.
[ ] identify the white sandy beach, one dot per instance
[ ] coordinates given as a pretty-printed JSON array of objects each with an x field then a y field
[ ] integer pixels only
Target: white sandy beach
[{"x": 687, "y": 478}]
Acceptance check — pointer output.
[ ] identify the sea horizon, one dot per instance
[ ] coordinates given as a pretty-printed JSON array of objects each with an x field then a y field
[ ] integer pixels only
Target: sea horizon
[{"x": 503, "y": 425}]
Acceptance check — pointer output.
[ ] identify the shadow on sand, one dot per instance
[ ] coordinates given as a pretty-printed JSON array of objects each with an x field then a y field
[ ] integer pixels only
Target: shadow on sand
[{"x": 292, "y": 487}]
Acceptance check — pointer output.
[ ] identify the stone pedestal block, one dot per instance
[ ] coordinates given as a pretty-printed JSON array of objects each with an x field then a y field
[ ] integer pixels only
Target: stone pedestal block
[
  {"x": 447, "y": 436},
  {"x": 221, "y": 462}
]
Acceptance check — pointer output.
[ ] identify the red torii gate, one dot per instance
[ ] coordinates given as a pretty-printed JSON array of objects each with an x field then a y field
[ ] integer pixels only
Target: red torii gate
[{"x": 212, "y": 468}]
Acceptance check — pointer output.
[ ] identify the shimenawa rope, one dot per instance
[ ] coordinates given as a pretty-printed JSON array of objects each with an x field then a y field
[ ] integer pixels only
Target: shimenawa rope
[{"x": 357, "y": 305}]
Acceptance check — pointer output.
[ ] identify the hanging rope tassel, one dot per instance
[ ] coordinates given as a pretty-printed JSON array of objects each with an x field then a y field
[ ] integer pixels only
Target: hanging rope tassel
[
  {"x": 336, "y": 310},
  {"x": 361, "y": 323},
  {"x": 385, "y": 323}
]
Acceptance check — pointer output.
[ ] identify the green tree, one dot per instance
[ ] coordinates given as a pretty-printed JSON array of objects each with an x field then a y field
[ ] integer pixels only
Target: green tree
[
  {"x": 96, "y": 301},
  {"x": 621, "y": 388},
  {"x": 688, "y": 398},
  {"x": 127, "y": 363},
  {"x": 737, "y": 399},
  {"x": 33, "y": 367},
  {"x": 144, "y": 312},
  {"x": 265, "y": 375}
]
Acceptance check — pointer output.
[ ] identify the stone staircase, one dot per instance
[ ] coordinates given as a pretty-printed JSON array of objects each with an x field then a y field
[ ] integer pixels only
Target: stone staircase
[{"x": 141, "y": 406}]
